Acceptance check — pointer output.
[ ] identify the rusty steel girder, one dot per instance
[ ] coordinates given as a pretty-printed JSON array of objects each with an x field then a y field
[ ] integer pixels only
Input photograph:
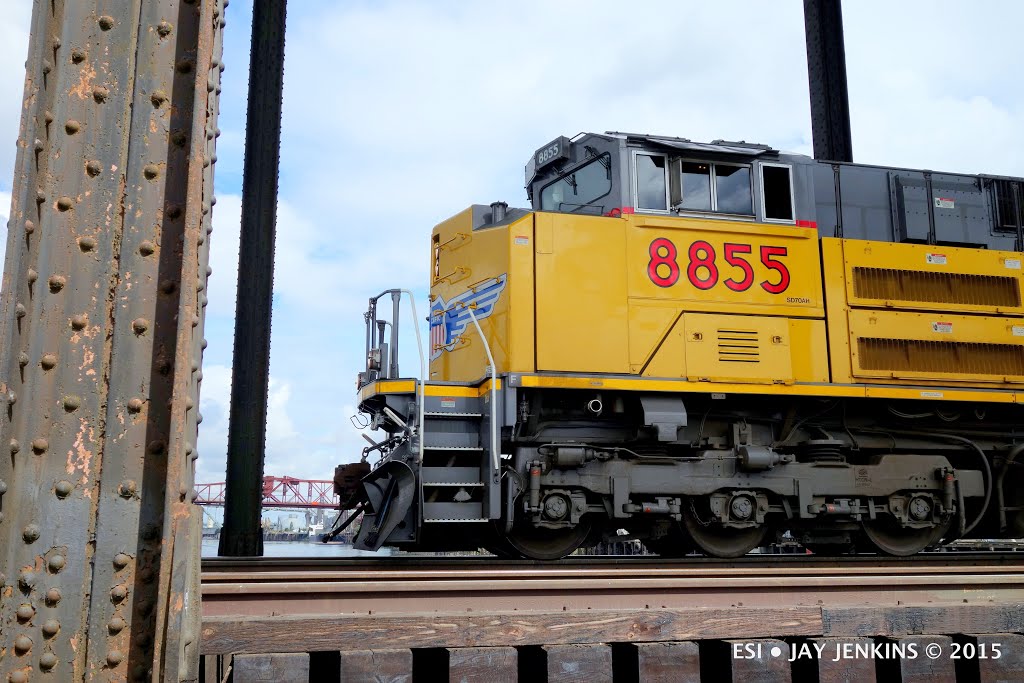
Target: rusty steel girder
[{"x": 101, "y": 338}]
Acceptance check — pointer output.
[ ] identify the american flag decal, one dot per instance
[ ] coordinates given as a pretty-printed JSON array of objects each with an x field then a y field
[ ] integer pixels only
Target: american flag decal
[{"x": 448, "y": 321}]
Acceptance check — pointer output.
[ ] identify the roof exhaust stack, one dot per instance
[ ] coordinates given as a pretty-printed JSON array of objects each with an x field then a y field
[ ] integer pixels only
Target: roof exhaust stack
[
  {"x": 826, "y": 78},
  {"x": 498, "y": 211}
]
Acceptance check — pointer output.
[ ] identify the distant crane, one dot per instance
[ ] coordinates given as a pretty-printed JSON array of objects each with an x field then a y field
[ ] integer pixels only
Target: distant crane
[{"x": 279, "y": 492}]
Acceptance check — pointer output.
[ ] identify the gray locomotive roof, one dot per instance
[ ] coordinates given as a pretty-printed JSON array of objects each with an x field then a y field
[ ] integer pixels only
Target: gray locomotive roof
[{"x": 715, "y": 146}]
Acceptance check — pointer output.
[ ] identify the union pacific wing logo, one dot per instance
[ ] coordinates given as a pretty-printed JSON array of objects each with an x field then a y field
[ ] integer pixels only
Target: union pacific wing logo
[{"x": 448, "y": 321}]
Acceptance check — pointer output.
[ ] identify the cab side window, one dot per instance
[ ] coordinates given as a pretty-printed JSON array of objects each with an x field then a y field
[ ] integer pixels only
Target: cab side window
[
  {"x": 777, "y": 192},
  {"x": 651, "y": 186}
]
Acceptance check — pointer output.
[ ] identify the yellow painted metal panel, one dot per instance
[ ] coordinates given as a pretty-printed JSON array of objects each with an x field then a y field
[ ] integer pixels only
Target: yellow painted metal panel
[
  {"x": 736, "y": 348},
  {"x": 835, "y": 303},
  {"x": 521, "y": 296},
  {"x": 649, "y": 325},
  {"x": 808, "y": 350},
  {"x": 670, "y": 358},
  {"x": 582, "y": 323},
  {"x": 927, "y": 277},
  {"x": 900, "y": 345},
  {"x": 465, "y": 261},
  {"x": 734, "y": 266}
]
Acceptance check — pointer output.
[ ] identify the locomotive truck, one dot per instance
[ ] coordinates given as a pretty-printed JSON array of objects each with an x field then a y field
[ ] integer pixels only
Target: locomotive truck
[{"x": 706, "y": 345}]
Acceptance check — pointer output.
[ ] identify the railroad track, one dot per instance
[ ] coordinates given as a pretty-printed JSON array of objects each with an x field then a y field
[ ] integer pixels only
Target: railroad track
[{"x": 410, "y": 585}]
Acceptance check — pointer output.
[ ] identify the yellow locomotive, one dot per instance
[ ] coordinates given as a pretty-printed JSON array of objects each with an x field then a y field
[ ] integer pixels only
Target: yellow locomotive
[{"x": 707, "y": 345}]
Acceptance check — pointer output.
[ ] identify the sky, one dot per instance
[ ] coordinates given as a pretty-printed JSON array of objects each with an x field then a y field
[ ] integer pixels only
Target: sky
[{"x": 398, "y": 114}]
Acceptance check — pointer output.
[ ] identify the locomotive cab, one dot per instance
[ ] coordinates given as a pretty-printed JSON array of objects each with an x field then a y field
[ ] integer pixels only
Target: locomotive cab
[{"x": 708, "y": 345}]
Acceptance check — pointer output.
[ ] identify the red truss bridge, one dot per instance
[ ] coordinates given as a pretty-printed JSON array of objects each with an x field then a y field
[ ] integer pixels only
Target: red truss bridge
[{"x": 279, "y": 492}]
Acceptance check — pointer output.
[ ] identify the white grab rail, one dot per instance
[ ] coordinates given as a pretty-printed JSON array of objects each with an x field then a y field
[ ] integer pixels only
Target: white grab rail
[{"x": 495, "y": 455}]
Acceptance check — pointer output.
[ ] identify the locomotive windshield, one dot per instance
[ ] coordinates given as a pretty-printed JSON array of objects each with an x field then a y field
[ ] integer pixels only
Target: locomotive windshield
[{"x": 576, "y": 191}]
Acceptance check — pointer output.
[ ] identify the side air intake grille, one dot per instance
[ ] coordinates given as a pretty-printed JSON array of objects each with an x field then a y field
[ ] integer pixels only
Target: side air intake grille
[
  {"x": 738, "y": 346},
  {"x": 963, "y": 358},
  {"x": 942, "y": 288}
]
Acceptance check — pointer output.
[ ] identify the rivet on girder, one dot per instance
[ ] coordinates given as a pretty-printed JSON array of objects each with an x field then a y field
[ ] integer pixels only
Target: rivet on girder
[
  {"x": 116, "y": 625},
  {"x": 25, "y": 612},
  {"x": 63, "y": 488},
  {"x": 40, "y": 196},
  {"x": 50, "y": 628},
  {"x": 22, "y": 644},
  {"x": 150, "y": 532},
  {"x": 163, "y": 28},
  {"x": 78, "y": 322},
  {"x": 77, "y": 56},
  {"x": 30, "y": 533},
  {"x": 3, "y": 487},
  {"x": 199, "y": 418},
  {"x": 114, "y": 657},
  {"x": 56, "y": 43},
  {"x": 118, "y": 593},
  {"x": 47, "y": 66},
  {"x": 18, "y": 677},
  {"x": 93, "y": 168},
  {"x": 184, "y": 66},
  {"x": 121, "y": 561},
  {"x": 209, "y": 271},
  {"x": 156, "y": 447},
  {"x": 144, "y": 607},
  {"x": 146, "y": 575},
  {"x": 86, "y": 243},
  {"x": 72, "y": 127},
  {"x": 40, "y": 445},
  {"x": 48, "y": 361},
  {"x": 100, "y": 94},
  {"x": 72, "y": 403},
  {"x": 47, "y": 661},
  {"x": 30, "y": 227},
  {"x": 64, "y": 204},
  {"x": 39, "y": 146},
  {"x": 140, "y": 325},
  {"x": 195, "y": 321},
  {"x": 14, "y": 446},
  {"x": 168, "y": 286},
  {"x": 19, "y": 310},
  {"x": 106, "y": 23},
  {"x": 146, "y": 248},
  {"x": 150, "y": 171},
  {"x": 53, "y": 596},
  {"x": 12, "y": 397},
  {"x": 173, "y": 211},
  {"x": 126, "y": 489},
  {"x": 158, "y": 97},
  {"x": 56, "y": 563},
  {"x": 134, "y": 405},
  {"x": 48, "y": 117},
  {"x": 57, "y": 283},
  {"x": 204, "y": 344},
  {"x": 26, "y": 579},
  {"x": 22, "y": 359},
  {"x": 31, "y": 275},
  {"x": 179, "y": 138}
]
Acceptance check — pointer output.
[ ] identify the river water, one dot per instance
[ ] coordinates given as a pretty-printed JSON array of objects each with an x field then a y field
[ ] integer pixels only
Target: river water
[{"x": 293, "y": 549}]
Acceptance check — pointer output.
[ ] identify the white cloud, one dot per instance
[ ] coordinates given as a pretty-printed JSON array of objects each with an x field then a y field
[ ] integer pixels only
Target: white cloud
[{"x": 13, "y": 50}]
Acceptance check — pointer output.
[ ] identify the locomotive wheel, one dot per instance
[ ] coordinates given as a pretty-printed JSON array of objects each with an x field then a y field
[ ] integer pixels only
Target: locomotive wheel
[
  {"x": 717, "y": 540},
  {"x": 890, "y": 538},
  {"x": 538, "y": 543}
]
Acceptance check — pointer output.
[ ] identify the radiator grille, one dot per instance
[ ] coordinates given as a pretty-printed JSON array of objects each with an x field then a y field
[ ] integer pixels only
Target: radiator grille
[
  {"x": 738, "y": 346},
  {"x": 943, "y": 288},
  {"x": 963, "y": 358}
]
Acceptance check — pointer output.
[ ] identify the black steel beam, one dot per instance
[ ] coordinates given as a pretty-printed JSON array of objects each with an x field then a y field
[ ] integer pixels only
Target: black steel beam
[
  {"x": 826, "y": 77},
  {"x": 242, "y": 534}
]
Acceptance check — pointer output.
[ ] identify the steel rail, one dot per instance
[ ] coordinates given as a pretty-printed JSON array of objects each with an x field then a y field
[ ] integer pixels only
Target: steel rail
[{"x": 232, "y": 590}]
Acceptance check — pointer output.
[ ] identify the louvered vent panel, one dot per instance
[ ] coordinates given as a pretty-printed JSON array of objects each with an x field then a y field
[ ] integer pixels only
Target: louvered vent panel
[
  {"x": 738, "y": 346},
  {"x": 944, "y": 288},
  {"x": 965, "y": 358}
]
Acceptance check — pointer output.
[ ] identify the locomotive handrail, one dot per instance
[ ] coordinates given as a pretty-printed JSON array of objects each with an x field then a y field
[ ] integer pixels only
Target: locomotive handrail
[
  {"x": 392, "y": 362},
  {"x": 495, "y": 456},
  {"x": 423, "y": 369}
]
